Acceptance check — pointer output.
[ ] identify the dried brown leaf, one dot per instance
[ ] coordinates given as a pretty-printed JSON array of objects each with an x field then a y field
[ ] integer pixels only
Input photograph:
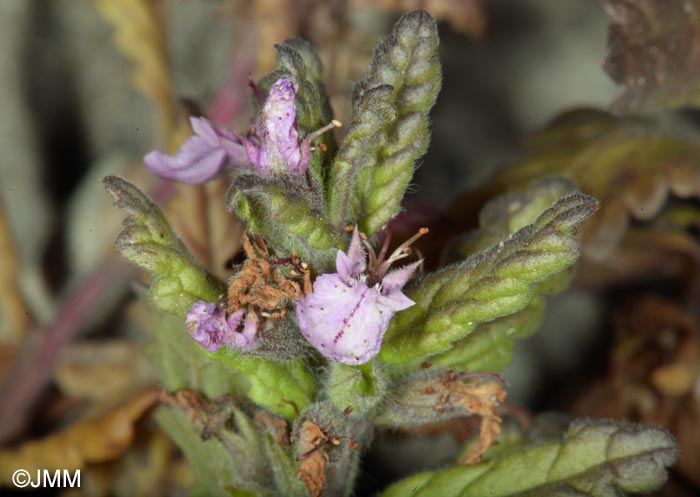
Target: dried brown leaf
[
  {"x": 631, "y": 166},
  {"x": 654, "y": 53},
  {"x": 91, "y": 440},
  {"x": 103, "y": 369},
  {"x": 314, "y": 459},
  {"x": 653, "y": 376},
  {"x": 479, "y": 398}
]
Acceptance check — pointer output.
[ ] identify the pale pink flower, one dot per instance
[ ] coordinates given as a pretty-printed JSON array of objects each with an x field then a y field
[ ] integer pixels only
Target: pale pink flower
[{"x": 348, "y": 312}]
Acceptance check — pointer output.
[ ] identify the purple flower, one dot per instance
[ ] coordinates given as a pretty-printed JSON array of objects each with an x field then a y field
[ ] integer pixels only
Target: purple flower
[
  {"x": 272, "y": 147},
  {"x": 212, "y": 151},
  {"x": 209, "y": 326},
  {"x": 347, "y": 314},
  {"x": 276, "y": 147}
]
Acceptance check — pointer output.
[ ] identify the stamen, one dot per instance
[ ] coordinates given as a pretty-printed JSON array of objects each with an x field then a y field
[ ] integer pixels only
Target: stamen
[
  {"x": 333, "y": 124},
  {"x": 387, "y": 242},
  {"x": 370, "y": 251},
  {"x": 401, "y": 251}
]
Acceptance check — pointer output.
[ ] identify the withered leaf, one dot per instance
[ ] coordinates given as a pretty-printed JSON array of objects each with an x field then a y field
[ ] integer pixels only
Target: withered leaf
[
  {"x": 630, "y": 165},
  {"x": 313, "y": 458},
  {"x": 478, "y": 398},
  {"x": 653, "y": 376},
  {"x": 103, "y": 369},
  {"x": 91, "y": 440},
  {"x": 654, "y": 53}
]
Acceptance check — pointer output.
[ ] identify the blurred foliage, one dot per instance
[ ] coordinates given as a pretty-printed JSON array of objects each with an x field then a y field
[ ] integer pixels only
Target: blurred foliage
[{"x": 654, "y": 47}]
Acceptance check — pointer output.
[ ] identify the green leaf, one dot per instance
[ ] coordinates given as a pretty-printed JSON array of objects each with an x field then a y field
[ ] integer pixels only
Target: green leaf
[
  {"x": 595, "y": 458},
  {"x": 225, "y": 447},
  {"x": 282, "y": 387},
  {"x": 491, "y": 346},
  {"x": 499, "y": 281},
  {"x": 367, "y": 184},
  {"x": 359, "y": 153},
  {"x": 285, "y": 217},
  {"x": 148, "y": 241},
  {"x": 210, "y": 460}
]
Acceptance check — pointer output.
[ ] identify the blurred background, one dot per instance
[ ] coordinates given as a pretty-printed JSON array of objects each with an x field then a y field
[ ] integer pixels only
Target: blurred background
[{"x": 87, "y": 87}]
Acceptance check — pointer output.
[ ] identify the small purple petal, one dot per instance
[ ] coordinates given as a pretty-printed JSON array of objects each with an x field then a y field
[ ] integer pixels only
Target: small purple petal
[
  {"x": 279, "y": 148},
  {"x": 354, "y": 263},
  {"x": 209, "y": 326},
  {"x": 395, "y": 280},
  {"x": 212, "y": 151}
]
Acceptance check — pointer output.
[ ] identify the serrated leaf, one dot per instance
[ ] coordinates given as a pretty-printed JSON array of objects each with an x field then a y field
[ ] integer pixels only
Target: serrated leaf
[
  {"x": 148, "y": 241},
  {"x": 653, "y": 53},
  {"x": 595, "y": 458},
  {"x": 285, "y": 217},
  {"x": 375, "y": 179},
  {"x": 491, "y": 346},
  {"x": 450, "y": 303}
]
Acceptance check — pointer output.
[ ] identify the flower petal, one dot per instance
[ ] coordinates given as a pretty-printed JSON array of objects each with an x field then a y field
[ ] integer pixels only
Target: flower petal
[
  {"x": 211, "y": 152},
  {"x": 354, "y": 263},
  {"x": 345, "y": 323},
  {"x": 209, "y": 326},
  {"x": 395, "y": 280}
]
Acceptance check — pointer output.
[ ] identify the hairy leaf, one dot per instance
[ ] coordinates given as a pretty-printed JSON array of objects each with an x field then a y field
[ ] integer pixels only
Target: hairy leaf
[
  {"x": 451, "y": 302},
  {"x": 222, "y": 441},
  {"x": 654, "y": 53},
  {"x": 285, "y": 217},
  {"x": 283, "y": 387},
  {"x": 374, "y": 179},
  {"x": 148, "y": 241},
  {"x": 490, "y": 347},
  {"x": 594, "y": 458},
  {"x": 359, "y": 152}
]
